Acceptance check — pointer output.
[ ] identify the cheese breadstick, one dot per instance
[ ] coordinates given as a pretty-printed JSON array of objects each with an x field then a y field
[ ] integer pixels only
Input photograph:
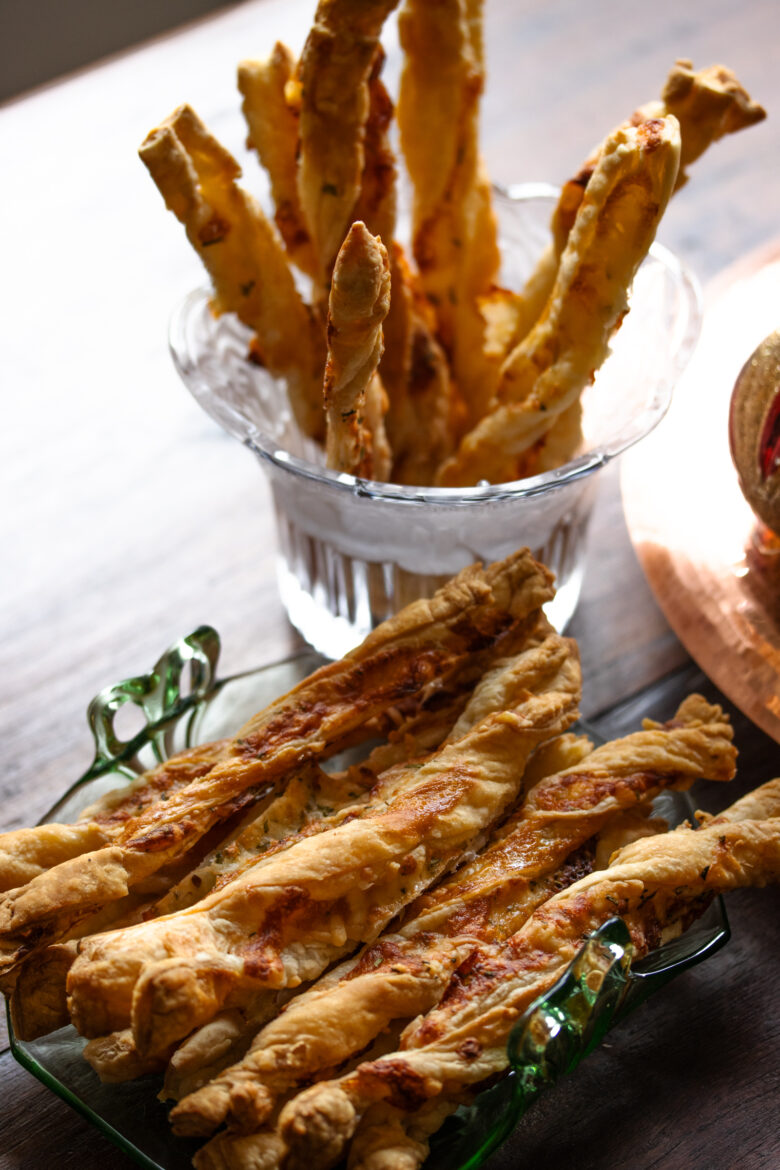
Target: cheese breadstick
[
  {"x": 405, "y": 972},
  {"x": 545, "y": 374},
  {"x": 285, "y": 919},
  {"x": 242, "y": 254},
  {"x": 358, "y": 304},
  {"x": 273, "y": 132},
  {"x": 656, "y": 884},
  {"x": 334, "y": 73}
]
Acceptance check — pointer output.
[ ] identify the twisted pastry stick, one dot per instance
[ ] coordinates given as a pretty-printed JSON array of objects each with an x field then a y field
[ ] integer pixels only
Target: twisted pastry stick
[
  {"x": 273, "y": 132},
  {"x": 387, "y": 1137},
  {"x": 312, "y": 803},
  {"x": 334, "y": 72},
  {"x": 26, "y": 853},
  {"x": 241, "y": 252},
  {"x": 404, "y": 973},
  {"x": 314, "y": 800},
  {"x": 286, "y": 919},
  {"x": 401, "y": 975},
  {"x": 543, "y": 376},
  {"x": 428, "y": 641},
  {"x": 358, "y": 304},
  {"x": 307, "y": 805},
  {"x": 708, "y": 104},
  {"x": 658, "y": 885},
  {"x": 453, "y": 225},
  {"x": 413, "y": 369},
  {"x": 423, "y": 408}
]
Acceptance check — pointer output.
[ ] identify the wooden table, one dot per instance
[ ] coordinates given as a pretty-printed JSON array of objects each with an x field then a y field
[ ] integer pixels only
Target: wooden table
[{"x": 130, "y": 519}]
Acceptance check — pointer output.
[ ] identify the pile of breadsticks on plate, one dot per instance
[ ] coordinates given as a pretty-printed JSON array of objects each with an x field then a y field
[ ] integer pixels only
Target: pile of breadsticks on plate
[
  {"x": 415, "y": 365},
  {"x": 321, "y": 963}
]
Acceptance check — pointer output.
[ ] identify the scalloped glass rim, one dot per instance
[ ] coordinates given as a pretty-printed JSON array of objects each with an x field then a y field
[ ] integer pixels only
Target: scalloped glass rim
[
  {"x": 682, "y": 344},
  {"x": 183, "y": 702}
]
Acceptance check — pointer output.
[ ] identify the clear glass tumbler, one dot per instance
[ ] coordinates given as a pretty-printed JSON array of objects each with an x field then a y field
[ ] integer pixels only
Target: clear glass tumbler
[{"x": 351, "y": 551}]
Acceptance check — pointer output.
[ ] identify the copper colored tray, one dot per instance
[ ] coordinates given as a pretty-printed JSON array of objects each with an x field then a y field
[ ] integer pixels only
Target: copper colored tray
[{"x": 714, "y": 569}]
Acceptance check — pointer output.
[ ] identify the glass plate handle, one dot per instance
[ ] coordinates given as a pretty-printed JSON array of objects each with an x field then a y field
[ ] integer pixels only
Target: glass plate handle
[
  {"x": 598, "y": 989},
  {"x": 161, "y": 696}
]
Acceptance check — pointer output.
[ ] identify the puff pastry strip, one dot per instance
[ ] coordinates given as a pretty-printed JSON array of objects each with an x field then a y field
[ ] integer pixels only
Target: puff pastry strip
[
  {"x": 453, "y": 225},
  {"x": 272, "y": 122},
  {"x": 708, "y": 103},
  {"x": 386, "y": 1136},
  {"x": 286, "y": 919},
  {"x": 312, "y": 803},
  {"x": 657, "y": 883},
  {"x": 430, "y": 640},
  {"x": 358, "y": 303},
  {"x": 334, "y": 73},
  {"x": 242, "y": 254},
  {"x": 26, "y": 853},
  {"x": 404, "y": 973},
  {"x": 545, "y": 374}
]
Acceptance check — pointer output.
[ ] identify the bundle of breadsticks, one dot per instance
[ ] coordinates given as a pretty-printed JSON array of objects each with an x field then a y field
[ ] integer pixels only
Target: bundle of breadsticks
[
  {"x": 409, "y": 361},
  {"x": 321, "y": 959}
]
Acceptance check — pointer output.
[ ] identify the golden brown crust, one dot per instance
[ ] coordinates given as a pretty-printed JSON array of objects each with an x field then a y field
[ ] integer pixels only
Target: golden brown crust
[
  {"x": 761, "y": 804},
  {"x": 708, "y": 104},
  {"x": 453, "y": 225},
  {"x": 413, "y": 369},
  {"x": 358, "y": 304},
  {"x": 651, "y": 882},
  {"x": 390, "y": 1139},
  {"x": 273, "y": 132},
  {"x": 38, "y": 1001},
  {"x": 257, "y": 1152},
  {"x": 260, "y": 930},
  {"x": 116, "y": 1059},
  {"x": 545, "y": 374},
  {"x": 429, "y": 641},
  {"x": 377, "y": 202},
  {"x": 335, "y": 69},
  {"x": 422, "y": 416},
  {"x": 534, "y": 856},
  {"x": 25, "y": 853},
  {"x": 242, "y": 254}
]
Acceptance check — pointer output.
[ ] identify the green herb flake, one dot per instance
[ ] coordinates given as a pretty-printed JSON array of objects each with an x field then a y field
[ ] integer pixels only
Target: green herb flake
[{"x": 329, "y": 189}]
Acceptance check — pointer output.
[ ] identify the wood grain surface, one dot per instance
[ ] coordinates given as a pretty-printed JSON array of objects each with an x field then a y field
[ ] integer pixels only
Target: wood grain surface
[{"x": 129, "y": 518}]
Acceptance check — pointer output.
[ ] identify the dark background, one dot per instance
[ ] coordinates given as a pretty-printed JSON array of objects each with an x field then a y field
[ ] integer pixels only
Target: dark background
[{"x": 44, "y": 39}]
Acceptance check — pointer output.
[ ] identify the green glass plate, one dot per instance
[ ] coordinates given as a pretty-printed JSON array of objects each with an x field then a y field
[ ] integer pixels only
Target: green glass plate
[{"x": 181, "y": 702}]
